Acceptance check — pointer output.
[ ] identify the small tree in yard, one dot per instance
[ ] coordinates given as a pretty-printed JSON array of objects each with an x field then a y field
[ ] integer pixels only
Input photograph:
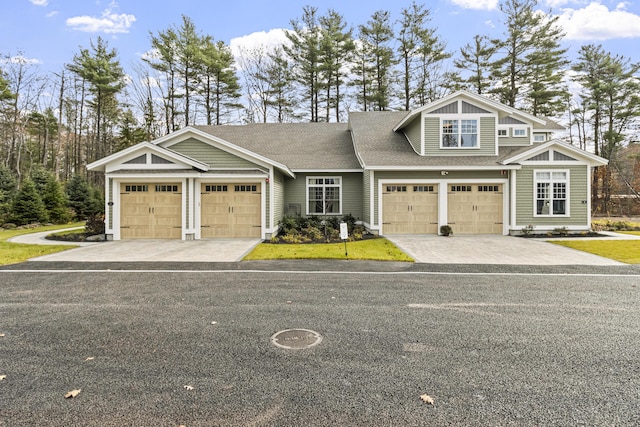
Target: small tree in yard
[
  {"x": 28, "y": 207},
  {"x": 83, "y": 200},
  {"x": 56, "y": 202},
  {"x": 8, "y": 188}
]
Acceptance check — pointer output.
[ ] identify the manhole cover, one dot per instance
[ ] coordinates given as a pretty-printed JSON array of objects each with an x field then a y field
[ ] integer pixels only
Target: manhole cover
[{"x": 296, "y": 338}]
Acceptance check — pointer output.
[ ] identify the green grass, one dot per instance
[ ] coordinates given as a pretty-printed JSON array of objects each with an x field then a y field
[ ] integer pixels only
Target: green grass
[
  {"x": 12, "y": 253},
  {"x": 374, "y": 249},
  {"x": 627, "y": 251}
]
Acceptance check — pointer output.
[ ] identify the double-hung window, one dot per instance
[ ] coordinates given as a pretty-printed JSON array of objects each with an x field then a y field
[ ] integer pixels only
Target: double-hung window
[
  {"x": 459, "y": 133},
  {"x": 551, "y": 193},
  {"x": 324, "y": 195}
]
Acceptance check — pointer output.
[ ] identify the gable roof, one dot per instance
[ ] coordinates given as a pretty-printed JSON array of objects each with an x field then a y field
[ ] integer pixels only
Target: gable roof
[
  {"x": 479, "y": 99},
  {"x": 530, "y": 151},
  {"x": 300, "y": 146},
  {"x": 144, "y": 147},
  {"x": 379, "y": 147}
]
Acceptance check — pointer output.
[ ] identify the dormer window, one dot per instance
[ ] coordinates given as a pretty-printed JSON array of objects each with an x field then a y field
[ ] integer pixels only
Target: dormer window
[
  {"x": 519, "y": 133},
  {"x": 459, "y": 133}
]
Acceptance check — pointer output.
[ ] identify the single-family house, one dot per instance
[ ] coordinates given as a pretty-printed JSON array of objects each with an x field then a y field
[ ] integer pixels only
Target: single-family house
[{"x": 465, "y": 161}]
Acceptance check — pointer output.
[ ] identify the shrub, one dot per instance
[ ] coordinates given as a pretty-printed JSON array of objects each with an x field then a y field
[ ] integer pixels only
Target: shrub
[
  {"x": 28, "y": 207},
  {"x": 446, "y": 230},
  {"x": 95, "y": 224},
  {"x": 528, "y": 230}
]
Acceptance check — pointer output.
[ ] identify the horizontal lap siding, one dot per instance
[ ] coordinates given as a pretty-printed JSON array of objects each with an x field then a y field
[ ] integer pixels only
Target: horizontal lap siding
[
  {"x": 212, "y": 156},
  {"x": 295, "y": 191},
  {"x": 487, "y": 139},
  {"x": 578, "y": 192},
  {"x": 413, "y": 133},
  {"x": 278, "y": 198},
  {"x": 366, "y": 196}
]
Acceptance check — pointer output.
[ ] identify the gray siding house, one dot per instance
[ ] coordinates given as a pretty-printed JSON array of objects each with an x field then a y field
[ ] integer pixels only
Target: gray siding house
[{"x": 465, "y": 161}]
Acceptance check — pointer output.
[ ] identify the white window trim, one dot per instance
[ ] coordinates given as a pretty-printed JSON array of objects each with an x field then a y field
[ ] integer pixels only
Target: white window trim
[
  {"x": 522, "y": 128},
  {"x": 307, "y": 186},
  {"x": 539, "y": 135},
  {"x": 535, "y": 194},
  {"x": 460, "y": 118},
  {"x": 506, "y": 132}
]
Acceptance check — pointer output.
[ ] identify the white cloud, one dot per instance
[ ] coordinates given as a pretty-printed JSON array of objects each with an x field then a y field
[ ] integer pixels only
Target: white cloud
[
  {"x": 19, "y": 59},
  {"x": 261, "y": 39},
  {"x": 39, "y": 2},
  {"x": 109, "y": 22},
  {"x": 477, "y": 4},
  {"x": 597, "y": 22},
  {"x": 52, "y": 14},
  {"x": 489, "y": 24}
]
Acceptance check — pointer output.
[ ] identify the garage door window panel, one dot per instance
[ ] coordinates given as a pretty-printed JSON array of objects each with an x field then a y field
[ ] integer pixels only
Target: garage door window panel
[{"x": 324, "y": 196}]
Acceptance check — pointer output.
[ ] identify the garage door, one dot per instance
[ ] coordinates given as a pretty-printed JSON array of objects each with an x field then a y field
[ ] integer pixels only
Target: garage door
[
  {"x": 410, "y": 209},
  {"x": 475, "y": 209},
  {"x": 230, "y": 210},
  {"x": 150, "y": 211}
]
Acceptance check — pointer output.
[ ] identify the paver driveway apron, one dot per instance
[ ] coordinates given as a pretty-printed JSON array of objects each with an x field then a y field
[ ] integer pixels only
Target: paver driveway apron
[
  {"x": 158, "y": 250},
  {"x": 492, "y": 249}
]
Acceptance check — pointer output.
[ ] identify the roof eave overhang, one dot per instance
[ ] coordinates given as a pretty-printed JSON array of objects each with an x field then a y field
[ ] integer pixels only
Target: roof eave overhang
[{"x": 589, "y": 158}]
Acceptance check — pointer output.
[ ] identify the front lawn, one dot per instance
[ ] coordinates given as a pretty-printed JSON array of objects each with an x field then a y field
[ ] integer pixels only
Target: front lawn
[
  {"x": 378, "y": 249},
  {"x": 627, "y": 251},
  {"x": 12, "y": 253}
]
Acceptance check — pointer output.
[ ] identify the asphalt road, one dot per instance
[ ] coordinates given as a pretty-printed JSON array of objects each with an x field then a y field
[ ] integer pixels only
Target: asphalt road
[{"x": 164, "y": 347}]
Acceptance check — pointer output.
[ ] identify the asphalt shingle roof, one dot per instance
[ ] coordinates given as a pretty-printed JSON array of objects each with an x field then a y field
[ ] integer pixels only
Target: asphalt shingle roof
[
  {"x": 378, "y": 145},
  {"x": 330, "y": 146},
  {"x": 296, "y": 145}
]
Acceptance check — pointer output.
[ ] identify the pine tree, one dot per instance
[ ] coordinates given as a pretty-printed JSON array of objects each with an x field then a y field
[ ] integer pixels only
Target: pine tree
[
  {"x": 304, "y": 51},
  {"x": 8, "y": 189},
  {"x": 80, "y": 197},
  {"x": 529, "y": 72},
  {"x": 55, "y": 202},
  {"x": 337, "y": 47},
  {"x": 218, "y": 82},
  {"x": 377, "y": 60},
  {"x": 28, "y": 206},
  {"x": 102, "y": 71},
  {"x": 476, "y": 59}
]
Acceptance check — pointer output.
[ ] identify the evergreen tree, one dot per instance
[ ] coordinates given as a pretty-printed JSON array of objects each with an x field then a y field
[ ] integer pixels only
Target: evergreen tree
[
  {"x": 219, "y": 84},
  {"x": 475, "y": 58},
  {"x": 611, "y": 97},
  {"x": 377, "y": 60},
  {"x": 105, "y": 77},
  {"x": 28, "y": 206},
  {"x": 304, "y": 51},
  {"x": 165, "y": 61},
  {"x": 8, "y": 188},
  {"x": 529, "y": 72},
  {"x": 80, "y": 197},
  {"x": 421, "y": 54},
  {"x": 337, "y": 47},
  {"x": 55, "y": 202}
]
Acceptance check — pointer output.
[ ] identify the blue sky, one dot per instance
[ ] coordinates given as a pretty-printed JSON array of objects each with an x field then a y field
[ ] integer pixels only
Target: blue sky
[{"x": 50, "y": 32}]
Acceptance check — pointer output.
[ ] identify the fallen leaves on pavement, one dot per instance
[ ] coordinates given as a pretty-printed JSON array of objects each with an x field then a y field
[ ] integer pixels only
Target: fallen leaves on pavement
[
  {"x": 426, "y": 399},
  {"x": 188, "y": 387},
  {"x": 72, "y": 394},
  {"x": 2, "y": 377}
]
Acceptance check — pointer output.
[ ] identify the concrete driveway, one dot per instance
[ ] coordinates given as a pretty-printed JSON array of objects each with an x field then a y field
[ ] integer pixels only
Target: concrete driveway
[
  {"x": 155, "y": 250},
  {"x": 492, "y": 249}
]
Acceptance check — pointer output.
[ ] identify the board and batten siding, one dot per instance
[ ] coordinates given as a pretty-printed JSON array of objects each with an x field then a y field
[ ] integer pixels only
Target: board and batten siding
[
  {"x": 486, "y": 138},
  {"x": 295, "y": 192},
  {"x": 578, "y": 193},
  {"x": 214, "y": 157}
]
